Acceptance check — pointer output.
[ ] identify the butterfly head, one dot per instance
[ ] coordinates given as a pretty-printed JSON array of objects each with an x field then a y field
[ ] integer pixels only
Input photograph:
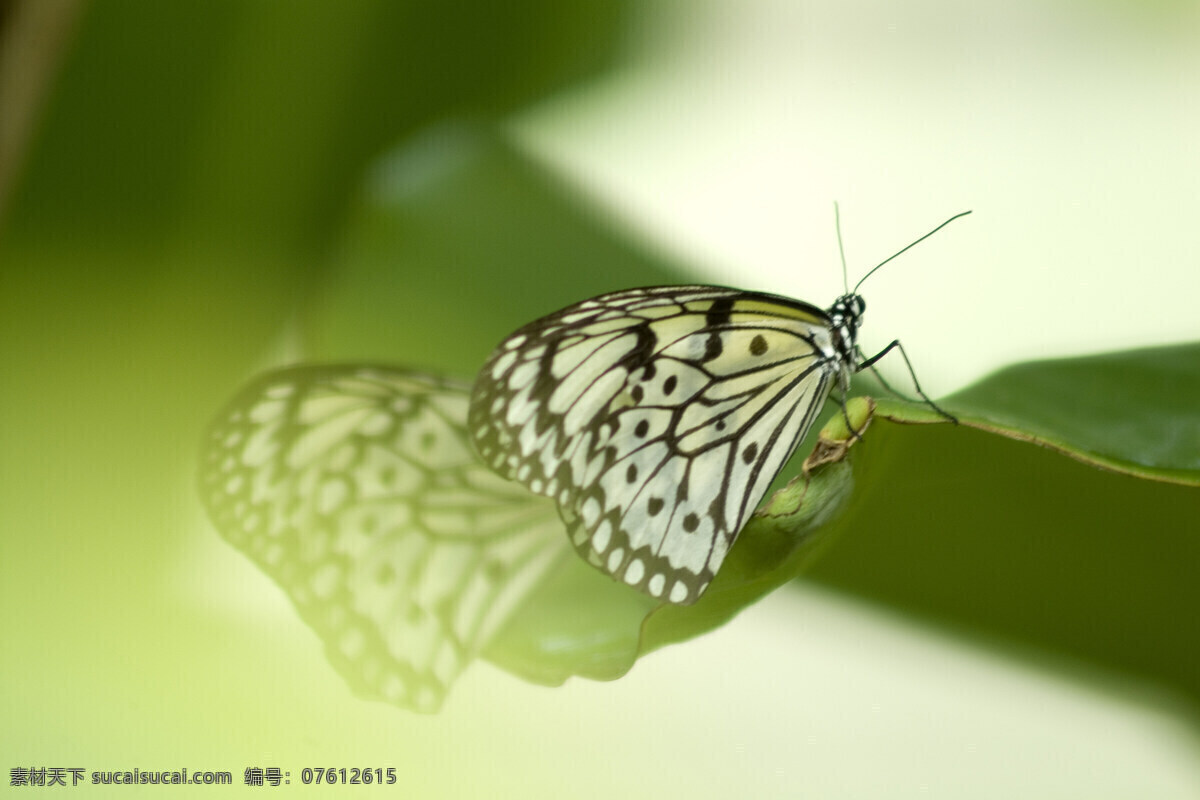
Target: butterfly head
[{"x": 844, "y": 317}]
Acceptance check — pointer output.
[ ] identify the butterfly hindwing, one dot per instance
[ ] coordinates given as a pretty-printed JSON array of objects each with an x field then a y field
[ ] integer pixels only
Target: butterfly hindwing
[
  {"x": 656, "y": 418},
  {"x": 357, "y": 490}
]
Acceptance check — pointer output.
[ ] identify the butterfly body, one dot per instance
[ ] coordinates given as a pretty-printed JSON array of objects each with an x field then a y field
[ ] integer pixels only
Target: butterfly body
[{"x": 657, "y": 418}]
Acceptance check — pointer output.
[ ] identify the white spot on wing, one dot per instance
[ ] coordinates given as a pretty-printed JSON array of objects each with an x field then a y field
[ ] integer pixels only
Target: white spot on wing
[
  {"x": 601, "y": 537},
  {"x": 614, "y": 560},
  {"x": 679, "y": 592}
]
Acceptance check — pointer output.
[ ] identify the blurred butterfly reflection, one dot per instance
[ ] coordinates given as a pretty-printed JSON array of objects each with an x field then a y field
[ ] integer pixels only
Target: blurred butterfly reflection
[{"x": 357, "y": 490}]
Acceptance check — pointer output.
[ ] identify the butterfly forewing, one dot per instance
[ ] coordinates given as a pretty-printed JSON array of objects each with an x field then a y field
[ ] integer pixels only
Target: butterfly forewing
[
  {"x": 356, "y": 488},
  {"x": 657, "y": 418}
]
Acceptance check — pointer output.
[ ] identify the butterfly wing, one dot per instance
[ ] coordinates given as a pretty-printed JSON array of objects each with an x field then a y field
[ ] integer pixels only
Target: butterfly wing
[
  {"x": 356, "y": 489},
  {"x": 656, "y": 418}
]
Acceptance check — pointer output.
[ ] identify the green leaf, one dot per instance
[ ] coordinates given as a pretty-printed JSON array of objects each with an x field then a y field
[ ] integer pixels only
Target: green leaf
[
  {"x": 1016, "y": 544},
  {"x": 1133, "y": 412},
  {"x": 1130, "y": 412},
  {"x": 796, "y": 524}
]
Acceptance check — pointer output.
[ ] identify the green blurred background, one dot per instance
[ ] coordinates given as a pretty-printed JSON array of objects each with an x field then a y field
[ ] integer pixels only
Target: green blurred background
[{"x": 194, "y": 191}]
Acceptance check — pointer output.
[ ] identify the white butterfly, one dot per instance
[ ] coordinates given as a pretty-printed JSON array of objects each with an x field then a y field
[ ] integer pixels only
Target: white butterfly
[
  {"x": 356, "y": 489},
  {"x": 657, "y": 418}
]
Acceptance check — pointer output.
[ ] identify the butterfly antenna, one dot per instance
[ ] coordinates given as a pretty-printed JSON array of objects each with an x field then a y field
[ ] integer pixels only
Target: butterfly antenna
[
  {"x": 837, "y": 224},
  {"x": 909, "y": 247}
]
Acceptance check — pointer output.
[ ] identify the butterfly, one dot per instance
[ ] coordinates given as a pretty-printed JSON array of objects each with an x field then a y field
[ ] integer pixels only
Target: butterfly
[
  {"x": 657, "y": 418},
  {"x": 356, "y": 488}
]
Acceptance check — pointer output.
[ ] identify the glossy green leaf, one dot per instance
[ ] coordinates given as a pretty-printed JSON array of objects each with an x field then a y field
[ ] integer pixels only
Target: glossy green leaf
[{"x": 1133, "y": 412}]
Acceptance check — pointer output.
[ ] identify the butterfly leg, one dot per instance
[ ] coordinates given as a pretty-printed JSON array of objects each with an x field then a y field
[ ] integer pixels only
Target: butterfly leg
[
  {"x": 895, "y": 345},
  {"x": 882, "y": 380}
]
